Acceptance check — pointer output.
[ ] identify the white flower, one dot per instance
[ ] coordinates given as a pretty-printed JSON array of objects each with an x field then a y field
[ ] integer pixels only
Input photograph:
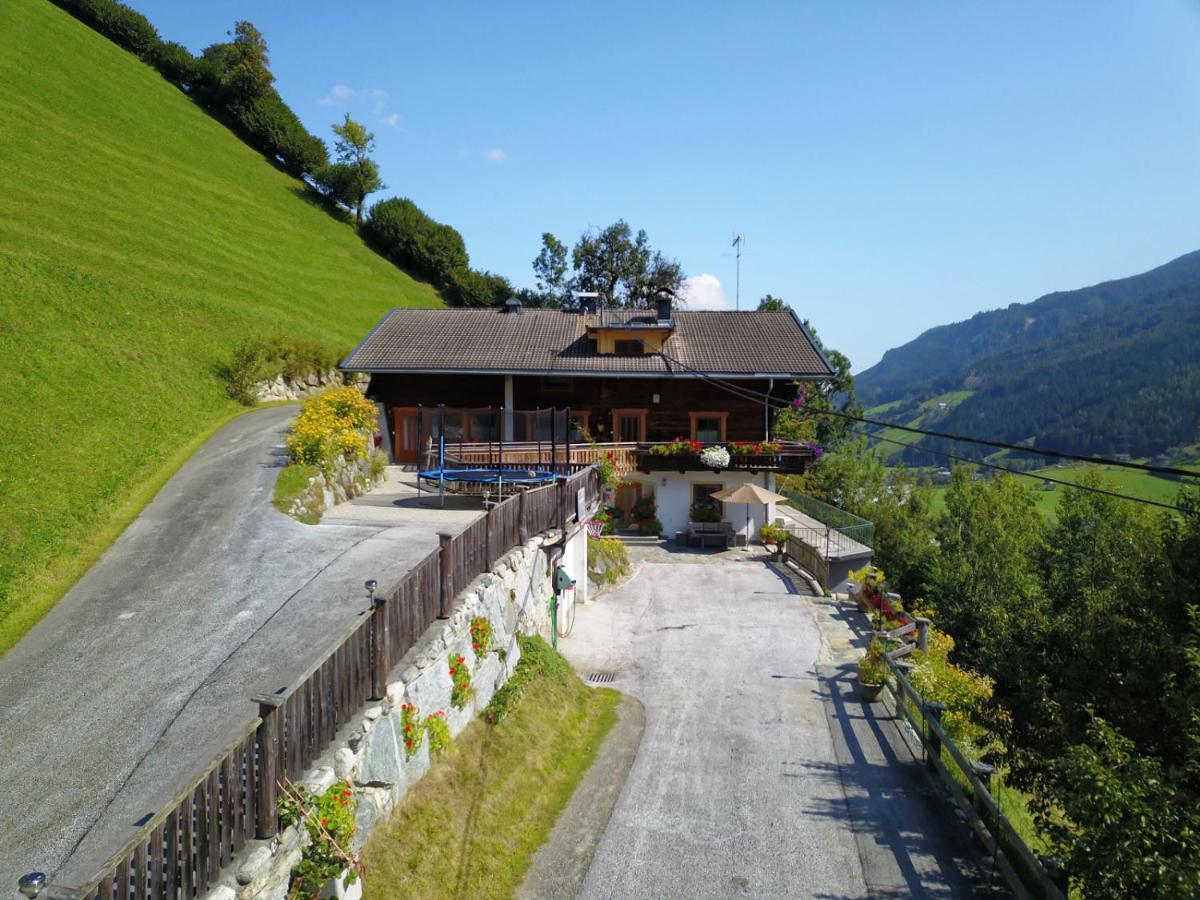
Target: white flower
[{"x": 715, "y": 457}]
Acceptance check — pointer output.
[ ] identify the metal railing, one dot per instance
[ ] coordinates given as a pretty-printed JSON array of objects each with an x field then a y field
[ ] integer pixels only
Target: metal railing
[
  {"x": 178, "y": 853},
  {"x": 852, "y": 526}
]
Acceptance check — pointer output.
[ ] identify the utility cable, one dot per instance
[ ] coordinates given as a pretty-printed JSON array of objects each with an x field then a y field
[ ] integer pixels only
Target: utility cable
[
  {"x": 750, "y": 393},
  {"x": 987, "y": 465}
]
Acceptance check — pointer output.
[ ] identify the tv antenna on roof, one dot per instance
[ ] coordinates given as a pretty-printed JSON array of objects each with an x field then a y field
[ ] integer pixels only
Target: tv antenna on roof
[{"x": 738, "y": 240}]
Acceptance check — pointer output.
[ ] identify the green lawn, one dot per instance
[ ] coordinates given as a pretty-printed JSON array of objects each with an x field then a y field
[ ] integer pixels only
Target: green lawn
[
  {"x": 887, "y": 450},
  {"x": 470, "y": 827},
  {"x": 1124, "y": 481},
  {"x": 139, "y": 241}
]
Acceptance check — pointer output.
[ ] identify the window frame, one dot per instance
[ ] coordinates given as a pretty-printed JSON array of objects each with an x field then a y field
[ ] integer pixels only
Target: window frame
[
  {"x": 639, "y": 413},
  {"x": 721, "y": 417},
  {"x": 708, "y": 501}
]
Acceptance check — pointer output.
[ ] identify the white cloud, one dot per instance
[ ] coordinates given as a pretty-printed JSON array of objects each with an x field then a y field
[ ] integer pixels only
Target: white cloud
[
  {"x": 339, "y": 93},
  {"x": 392, "y": 119},
  {"x": 496, "y": 154},
  {"x": 704, "y": 291}
]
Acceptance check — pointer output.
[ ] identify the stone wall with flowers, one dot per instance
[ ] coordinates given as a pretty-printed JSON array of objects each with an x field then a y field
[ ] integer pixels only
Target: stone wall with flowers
[{"x": 372, "y": 754}]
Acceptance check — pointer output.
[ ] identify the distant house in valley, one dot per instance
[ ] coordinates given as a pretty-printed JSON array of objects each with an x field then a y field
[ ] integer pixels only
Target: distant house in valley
[{"x": 631, "y": 379}]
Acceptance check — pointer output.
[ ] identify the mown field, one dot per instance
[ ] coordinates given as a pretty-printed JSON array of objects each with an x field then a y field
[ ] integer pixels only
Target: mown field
[
  {"x": 139, "y": 241},
  {"x": 1125, "y": 481}
]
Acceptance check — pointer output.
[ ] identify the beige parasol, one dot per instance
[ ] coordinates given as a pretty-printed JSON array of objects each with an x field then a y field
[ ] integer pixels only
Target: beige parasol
[{"x": 748, "y": 493}]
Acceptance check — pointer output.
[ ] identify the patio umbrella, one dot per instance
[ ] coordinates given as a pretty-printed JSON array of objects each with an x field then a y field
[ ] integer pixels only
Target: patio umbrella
[{"x": 748, "y": 493}]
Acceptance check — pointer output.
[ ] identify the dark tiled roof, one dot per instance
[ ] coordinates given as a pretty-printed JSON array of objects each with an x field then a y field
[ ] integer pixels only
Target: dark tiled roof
[{"x": 552, "y": 341}]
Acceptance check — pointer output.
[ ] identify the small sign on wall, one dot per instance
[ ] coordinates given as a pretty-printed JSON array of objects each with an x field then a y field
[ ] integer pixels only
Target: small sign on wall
[{"x": 580, "y": 505}]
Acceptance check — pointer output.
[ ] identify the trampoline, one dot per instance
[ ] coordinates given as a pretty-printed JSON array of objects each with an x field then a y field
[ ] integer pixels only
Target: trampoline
[
  {"x": 483, "y": 450},
  {"x": 488, "y": 476}
]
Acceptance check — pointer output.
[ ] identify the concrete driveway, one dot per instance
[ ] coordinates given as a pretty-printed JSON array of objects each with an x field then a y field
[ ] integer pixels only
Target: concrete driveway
[
  {"x": 743, "y": 785},
  {"x": 144, "y": 671}
]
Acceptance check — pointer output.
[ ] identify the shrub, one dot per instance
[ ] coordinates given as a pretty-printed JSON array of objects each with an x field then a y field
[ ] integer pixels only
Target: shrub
[
  {"x": 402, "y": 232},
  {"x": 123, "y": 26},
  {"x": 438, "y": 730},
  {"x": 174, "y": 62},
  {"x": 538, "y": 660},
  {"x": 256, "y": 360},
  {"x": 269, "y": 125},
  {"x": 650, "y": 526},
  {"x": 337, "y": 423},
  {"x": 645, "y": 508},
  {"x": 471, "y": 288},
  {"x": 705, "y": 512},
  {"x": 966, "y": 695}
]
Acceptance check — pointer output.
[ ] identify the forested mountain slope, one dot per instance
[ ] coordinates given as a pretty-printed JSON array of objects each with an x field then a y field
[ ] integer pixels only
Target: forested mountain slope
[
  {"x": 1107, "y": 369},
  {"x": 140, "y": 240}
]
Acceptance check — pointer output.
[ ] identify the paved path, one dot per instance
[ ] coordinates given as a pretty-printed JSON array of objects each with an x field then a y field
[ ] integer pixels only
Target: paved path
[
  {"x": 144, "y": 670},
  {"x": 758, "y": 775}
]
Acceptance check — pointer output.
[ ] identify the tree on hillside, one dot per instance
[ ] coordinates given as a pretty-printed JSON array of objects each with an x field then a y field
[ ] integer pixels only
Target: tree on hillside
[
  {"x": 804, "y": 421},
  {"x": 551, "y": 269},
  {"x": 771, "y": 303},
  {"x": 247, "y": 71},
  {"x": 402, "y": 232},
  {"x": 355, "y": 175},
  {"x": 623, "y": 268}
]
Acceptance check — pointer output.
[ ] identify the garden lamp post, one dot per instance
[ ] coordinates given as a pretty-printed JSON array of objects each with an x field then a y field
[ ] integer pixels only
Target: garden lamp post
[{"x": 31, "y": 885}]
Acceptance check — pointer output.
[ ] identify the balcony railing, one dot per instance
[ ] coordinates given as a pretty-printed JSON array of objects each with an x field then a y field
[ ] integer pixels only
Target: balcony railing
[{"x": 791, "y": 458}]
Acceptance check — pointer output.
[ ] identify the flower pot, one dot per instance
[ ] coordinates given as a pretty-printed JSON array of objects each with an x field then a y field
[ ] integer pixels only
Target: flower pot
[
  {"x": 869, "y": 692},
  {"x": 337, "y": 888}
]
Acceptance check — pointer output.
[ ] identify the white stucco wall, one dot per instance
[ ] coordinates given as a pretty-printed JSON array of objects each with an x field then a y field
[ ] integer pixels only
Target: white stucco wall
[{"x": 673, "y": 494}]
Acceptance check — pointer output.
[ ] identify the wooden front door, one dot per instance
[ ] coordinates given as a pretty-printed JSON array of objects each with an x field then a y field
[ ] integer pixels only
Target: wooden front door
[
  {"x": 628, "y": 493},
  {"x": 404, "y": 434}
]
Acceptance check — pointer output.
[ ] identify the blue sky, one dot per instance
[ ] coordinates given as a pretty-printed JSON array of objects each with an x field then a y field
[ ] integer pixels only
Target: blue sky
[{"x": 893, "y": 166}]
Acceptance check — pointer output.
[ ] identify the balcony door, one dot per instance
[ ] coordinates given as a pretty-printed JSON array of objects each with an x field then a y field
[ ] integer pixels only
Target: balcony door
[{"x": 629, "y": 425}]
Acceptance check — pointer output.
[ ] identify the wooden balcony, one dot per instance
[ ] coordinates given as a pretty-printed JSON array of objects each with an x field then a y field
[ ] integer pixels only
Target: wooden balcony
[{"x": 792, "y": 459}]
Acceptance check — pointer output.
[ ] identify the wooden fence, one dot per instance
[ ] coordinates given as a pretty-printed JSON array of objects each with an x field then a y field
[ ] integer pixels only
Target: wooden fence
[
  {"x": 178, "y": 853},
  {"x": 1022, "y": 871},
  {"x": 809, "y": 558}
]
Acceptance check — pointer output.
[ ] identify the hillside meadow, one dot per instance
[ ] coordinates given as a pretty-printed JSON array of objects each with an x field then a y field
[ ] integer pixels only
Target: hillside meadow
[{"x": 139, "y": 242}]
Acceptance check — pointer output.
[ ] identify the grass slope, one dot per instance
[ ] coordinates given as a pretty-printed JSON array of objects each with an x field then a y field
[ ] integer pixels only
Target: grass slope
[
  {"x": 1125, "y": 481},
  {"x": 470, "y": 827},
  {"x": 139, "y": 241}
]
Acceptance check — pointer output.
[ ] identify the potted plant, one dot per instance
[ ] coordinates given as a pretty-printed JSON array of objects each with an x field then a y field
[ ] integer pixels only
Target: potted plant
[
  {"x": 773, "y": 537},
  {"x": 872, "y": 671}
]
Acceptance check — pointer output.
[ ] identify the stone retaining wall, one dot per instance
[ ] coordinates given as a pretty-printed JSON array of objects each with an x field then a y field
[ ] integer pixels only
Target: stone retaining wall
[
  {"x": 283, "y": 388},
  {"x": 350, "y": 478},
  {"x": 515, "y": 597}
]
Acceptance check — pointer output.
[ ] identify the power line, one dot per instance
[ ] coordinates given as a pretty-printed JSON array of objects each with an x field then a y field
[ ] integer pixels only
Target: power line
[
  {"x": 750, "y": 393},
  {"x": 1071, "y": 484}
]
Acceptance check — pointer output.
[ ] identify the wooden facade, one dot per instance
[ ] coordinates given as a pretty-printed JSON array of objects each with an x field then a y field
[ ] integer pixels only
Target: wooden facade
[{"x": 613, "y": 408}]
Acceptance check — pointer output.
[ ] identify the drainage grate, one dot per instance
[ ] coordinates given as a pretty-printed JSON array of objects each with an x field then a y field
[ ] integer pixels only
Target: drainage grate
[{"x": 601, "y": 677}]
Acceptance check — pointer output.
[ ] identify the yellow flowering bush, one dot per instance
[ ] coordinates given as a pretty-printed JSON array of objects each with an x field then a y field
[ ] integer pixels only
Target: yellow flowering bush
[
  {"x": 968, "y": 718},
  {"x": 336, "y": 424}
]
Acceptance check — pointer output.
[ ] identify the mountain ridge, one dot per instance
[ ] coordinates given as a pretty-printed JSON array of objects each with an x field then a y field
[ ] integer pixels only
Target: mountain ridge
[{"x": 1106, "y": 368}]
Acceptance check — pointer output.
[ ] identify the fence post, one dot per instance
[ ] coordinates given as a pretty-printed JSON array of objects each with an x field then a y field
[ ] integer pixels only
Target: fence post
[
  {"x": 922, "y": 634},
  {"x": 266, "y": 822},
  {"x": 561, "y": 489},
  {"x": 934, "y": 711},
  {"x": 522, "y": 525},
  {"x": 446, "y": 600},
  {"x": 379, "y": 648}
]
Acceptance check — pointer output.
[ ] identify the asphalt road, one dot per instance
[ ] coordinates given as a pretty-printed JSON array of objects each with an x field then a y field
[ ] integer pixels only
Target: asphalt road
[
  {"x": 743, "y": 785},
  {"x": 145, "y": 669}
]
